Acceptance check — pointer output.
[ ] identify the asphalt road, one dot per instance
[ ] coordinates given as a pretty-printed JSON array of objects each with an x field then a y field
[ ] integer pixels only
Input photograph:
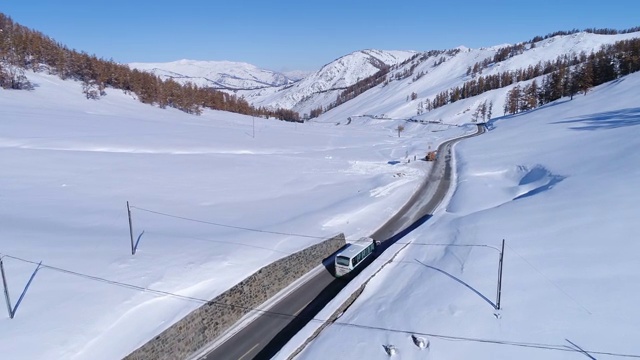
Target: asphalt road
[{"x": 268, "y": 333}]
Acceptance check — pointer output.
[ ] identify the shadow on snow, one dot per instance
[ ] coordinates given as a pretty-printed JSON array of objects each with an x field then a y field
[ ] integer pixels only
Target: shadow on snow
[{"x": 605, "y": 120}]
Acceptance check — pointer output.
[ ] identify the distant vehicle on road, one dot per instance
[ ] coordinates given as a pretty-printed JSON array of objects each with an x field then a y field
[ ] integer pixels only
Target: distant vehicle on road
[{"x": 349, "y": 258}]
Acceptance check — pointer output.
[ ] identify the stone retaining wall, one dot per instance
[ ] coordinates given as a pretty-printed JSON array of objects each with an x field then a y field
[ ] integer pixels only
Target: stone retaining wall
[{"x": 209, "y": 321}]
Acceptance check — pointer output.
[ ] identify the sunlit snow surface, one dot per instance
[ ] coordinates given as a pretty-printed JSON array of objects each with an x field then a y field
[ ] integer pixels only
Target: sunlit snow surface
[
  {"x": 559, "y": 184},
  {"x": 69, "y": 165}
]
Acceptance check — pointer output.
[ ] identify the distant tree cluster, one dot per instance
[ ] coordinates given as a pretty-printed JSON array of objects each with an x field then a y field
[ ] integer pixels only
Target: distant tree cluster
[
  {"x": 22, "y": 48},
  {"x": 361, "y": 86},
  {"x": 589, "y": 30},
  {"x": 407, "y": 72},
  {"x": 510, "y": 51},
  {"x": 354, "y": 90},
  {"x": 315, "y": 112},
  {"x": 13, "y": 77},
  {"x": 385, "y": 75},
  {"x": 608, "y": 63},
  {"x": 483, "y": 112}
]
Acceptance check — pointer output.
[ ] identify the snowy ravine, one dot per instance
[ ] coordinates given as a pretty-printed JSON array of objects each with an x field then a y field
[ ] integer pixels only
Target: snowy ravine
[
  {"x": 559, "y": 184},
  {"x": 69, "y": 165}
]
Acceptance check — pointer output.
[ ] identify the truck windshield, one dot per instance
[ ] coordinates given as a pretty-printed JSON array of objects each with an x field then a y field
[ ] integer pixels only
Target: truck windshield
[{"x": 342, "y": 260}]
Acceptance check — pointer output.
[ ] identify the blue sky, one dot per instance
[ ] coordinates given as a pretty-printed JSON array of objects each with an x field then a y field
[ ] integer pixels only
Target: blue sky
[{"x": 302, "y": 34}]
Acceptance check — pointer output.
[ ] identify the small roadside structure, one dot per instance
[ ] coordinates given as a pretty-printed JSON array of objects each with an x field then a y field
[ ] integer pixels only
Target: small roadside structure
[{"x": 431, "y": 156}]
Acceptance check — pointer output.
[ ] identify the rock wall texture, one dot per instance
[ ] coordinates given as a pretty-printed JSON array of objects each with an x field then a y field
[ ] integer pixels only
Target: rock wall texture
[{"x": 209, "y": 321}]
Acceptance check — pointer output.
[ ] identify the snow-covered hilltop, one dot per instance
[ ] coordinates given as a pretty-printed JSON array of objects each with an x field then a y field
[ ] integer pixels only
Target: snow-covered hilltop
[
  {"x": 434, "y": 72},
  {"x": 557, "y": 184},
  {"x": 297, "y": 90},
  {"x": 223, "y": 75},
  {"x": 319, "y": 89},
  {"x": 413, "y": 78}
]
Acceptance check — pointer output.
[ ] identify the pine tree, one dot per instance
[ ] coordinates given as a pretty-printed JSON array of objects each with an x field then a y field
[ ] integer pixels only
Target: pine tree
[
  {"x": 530, "y": 96},
  {"x": 490, "y": 110},
  {"x": 476, "y": 114},
  {"x": 512, "y": 105},
  {"x": 585, "y": 77}
]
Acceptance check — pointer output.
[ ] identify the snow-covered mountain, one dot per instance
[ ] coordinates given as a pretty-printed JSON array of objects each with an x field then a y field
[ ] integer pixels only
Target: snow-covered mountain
[
  {"x": 297, "y": 90},
  {"x": 319, "y": 89},
  {"x": 296, "y": 75},
  {"x": 558, "y": 184},
  {"x": 434, "y": 72},
  {"x": 224, "y": 75}
]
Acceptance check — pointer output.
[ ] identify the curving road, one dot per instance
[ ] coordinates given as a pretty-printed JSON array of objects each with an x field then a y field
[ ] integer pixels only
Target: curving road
[{"x": 265, "y": 336}]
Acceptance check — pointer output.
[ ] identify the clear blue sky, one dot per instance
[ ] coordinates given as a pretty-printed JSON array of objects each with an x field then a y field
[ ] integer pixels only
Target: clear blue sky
[{"x": 302, "y": 34}]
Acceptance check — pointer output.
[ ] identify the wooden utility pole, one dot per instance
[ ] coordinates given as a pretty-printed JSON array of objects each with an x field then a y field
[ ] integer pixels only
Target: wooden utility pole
[
  {"x": 133, "y": 249},
  {"x": 499, "y": 291},
  {"x": 6, "y": 290}
]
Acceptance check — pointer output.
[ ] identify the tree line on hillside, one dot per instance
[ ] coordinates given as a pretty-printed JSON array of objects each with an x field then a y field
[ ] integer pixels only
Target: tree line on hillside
[
  {"x": 607, "y": 64},
  {"x": 565, "y": 74},
  {"x": 24, "y": 49},
  {"x": 383, "y": 76},
  {"x": 604, "y": 31},
  {"x": 510, "y": 51}
]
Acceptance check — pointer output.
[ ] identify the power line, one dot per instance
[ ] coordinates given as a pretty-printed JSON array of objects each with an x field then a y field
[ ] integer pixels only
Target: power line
[
  {"x": 107, "y": 281},
  {"x": 549, "y": 280},
  {"x": 286, "y": 233},
  {"x": 488, "y": 341},
  {"x": 225, "y": 225},
  {"x": 236, "y": 243},
  {"x": 338, "y": 323},
  {"x": 319, "y": 237},
  {"x": 452, "y": 245}
]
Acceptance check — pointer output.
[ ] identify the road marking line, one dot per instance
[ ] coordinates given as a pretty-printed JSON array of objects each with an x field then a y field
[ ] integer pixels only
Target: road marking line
[
  {"x": 250, "y": 350},
  {"x": 302, "y": 308}
]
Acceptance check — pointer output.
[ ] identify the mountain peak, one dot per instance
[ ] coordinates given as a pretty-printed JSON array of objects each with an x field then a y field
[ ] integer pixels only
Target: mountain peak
[{"x": 225, "y": 75}]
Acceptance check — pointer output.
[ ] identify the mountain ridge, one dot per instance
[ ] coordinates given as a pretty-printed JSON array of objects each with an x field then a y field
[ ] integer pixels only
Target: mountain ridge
[{"x": 219, "y": 75}]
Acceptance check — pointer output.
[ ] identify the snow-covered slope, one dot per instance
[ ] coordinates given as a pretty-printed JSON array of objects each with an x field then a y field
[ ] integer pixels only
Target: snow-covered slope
[
  {"x": 69, "y": 165},
  {"x": 217, "y": 74},
  {"x": 559, "y": 185},
  {"x": 322, "y": 87},
  {"x": 393, "y": 100}
]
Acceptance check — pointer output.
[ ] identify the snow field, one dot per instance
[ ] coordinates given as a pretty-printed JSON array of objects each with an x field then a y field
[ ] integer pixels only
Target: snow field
[
  {"x": 556, "y": 184},
  {"x": 71, "y": 164}
]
